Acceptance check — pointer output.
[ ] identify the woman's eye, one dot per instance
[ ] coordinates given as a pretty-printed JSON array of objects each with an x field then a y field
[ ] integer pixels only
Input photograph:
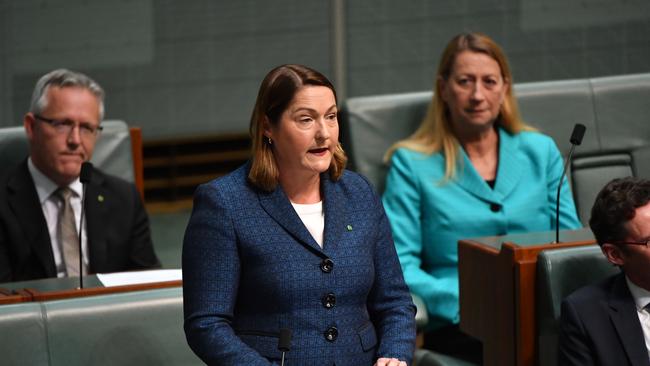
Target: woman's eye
[{"x": 305, "y": 119}]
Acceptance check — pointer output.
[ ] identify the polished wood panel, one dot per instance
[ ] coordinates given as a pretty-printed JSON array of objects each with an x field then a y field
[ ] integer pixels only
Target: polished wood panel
[
  {"x": 93, "y": 291},
  {"x": 64, "y": 288},
  {"x": 497, "y": 297},
  {"x": 13, "y": 297}
]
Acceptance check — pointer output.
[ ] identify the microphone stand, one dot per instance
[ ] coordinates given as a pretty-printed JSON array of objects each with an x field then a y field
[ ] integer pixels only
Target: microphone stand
[
  {"x": 559, "y": 188},
  {"x": 284, "y": 342},
  {"x": 81, "y": 225},
  {"x": 84, "y": 177},
  {"x": 576, "y": 139}
]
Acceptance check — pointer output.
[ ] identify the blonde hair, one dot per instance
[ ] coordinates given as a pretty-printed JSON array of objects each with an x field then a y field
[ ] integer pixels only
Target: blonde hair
[
  {"x": 276, "y": 93},
  {"x": 435, "y": 133}
]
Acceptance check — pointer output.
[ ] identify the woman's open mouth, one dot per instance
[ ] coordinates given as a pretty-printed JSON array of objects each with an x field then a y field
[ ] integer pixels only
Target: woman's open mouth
[{"x": 320, "y": 151}]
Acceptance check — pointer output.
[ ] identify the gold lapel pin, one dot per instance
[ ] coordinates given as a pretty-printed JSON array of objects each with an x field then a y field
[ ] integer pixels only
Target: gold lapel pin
[
  {"x": 349, "y": 227},
  {"x": 100, "y": 198}
]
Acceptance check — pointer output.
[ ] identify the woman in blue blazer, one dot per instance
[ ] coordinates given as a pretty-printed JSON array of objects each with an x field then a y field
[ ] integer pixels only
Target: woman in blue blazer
[
  {"x": 293, "y": 241},
  {"x": 473, "y": 168}
]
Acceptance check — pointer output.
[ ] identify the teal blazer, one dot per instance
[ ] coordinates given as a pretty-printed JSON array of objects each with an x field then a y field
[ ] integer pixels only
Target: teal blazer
[{"x": 429, "y": 216}]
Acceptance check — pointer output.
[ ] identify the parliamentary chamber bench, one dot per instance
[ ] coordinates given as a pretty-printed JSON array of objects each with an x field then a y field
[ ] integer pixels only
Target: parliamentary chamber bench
[
  {"x": 145, "y": 327},
  {"x": 616, "y": 113}
]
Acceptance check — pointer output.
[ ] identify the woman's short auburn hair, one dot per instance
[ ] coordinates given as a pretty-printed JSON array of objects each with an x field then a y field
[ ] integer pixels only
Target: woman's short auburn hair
[{"x": 276, "y": 92}]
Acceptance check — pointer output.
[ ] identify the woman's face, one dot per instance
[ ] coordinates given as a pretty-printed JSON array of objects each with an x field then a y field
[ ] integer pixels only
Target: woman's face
[
  {"x": 307, "y": 134},
  {"x": 474, "y": 91}
]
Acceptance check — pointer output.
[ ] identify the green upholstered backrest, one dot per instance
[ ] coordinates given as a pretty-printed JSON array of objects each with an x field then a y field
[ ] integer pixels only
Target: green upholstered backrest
[
  {"x": 559, "y": 273},
  {"x": 112, "y": 154},
  {"x": 615, "y": 111},
  {"x": 370, "y": 125},
  {"x": 23, "y": 338},
  {"x": 133, "y": 328}
]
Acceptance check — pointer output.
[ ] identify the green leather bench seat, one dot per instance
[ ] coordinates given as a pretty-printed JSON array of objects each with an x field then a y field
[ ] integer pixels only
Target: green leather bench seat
[
  {"x": 559, "y": 273},
  {"x": 23, "y": 337},
  {"x": 132, "y": 328},
  {"x": 112, "y": 152},
  {"x": 614, "y": 109}
]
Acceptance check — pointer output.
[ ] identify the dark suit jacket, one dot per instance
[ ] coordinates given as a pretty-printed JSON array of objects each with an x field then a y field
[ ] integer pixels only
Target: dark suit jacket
[
  {"x": 250, "y": 268},
  {"x": 600, "y": 326},
  {"x": 118, "y": 228}
]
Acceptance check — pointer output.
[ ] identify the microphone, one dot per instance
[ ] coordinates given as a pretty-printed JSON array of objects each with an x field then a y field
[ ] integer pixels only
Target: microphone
[
  {"x": 84, "y": 177},
  {"x": 576, "y": 139},
  {"x": 284, "y": 343}
]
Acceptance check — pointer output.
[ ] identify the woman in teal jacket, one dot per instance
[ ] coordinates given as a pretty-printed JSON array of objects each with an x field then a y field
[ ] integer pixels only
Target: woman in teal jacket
[{"x": 472, "y": 169}]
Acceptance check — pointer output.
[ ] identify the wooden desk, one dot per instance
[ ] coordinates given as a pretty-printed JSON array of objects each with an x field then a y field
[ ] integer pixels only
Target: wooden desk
[
  {"x": 62, "y": 288},
  {"x": 497, "y": 292}
]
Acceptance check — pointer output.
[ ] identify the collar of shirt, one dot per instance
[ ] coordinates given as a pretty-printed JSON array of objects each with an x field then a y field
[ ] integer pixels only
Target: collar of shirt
[
  {"x": 45, "y": 186},
  {"x": 641, "y": 296}
]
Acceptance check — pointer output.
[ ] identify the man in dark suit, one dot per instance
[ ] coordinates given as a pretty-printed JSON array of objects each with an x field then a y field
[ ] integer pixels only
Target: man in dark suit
[
  {"x": 40, "y": 199},
  {"x": 608, "y": 323}
]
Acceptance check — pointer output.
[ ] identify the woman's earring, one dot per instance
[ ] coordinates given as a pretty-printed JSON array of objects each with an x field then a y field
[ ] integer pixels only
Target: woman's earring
[{"x": 270, "y": 141}]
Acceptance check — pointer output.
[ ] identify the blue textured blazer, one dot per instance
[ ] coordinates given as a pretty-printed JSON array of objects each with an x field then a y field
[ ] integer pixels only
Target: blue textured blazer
[
  {"x": 251, "y": 268},
  {"x": 428, "y": 216}
]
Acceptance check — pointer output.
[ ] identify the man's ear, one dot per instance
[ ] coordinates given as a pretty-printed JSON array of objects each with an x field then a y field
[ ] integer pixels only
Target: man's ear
[
  {"x": 28, "y": 122},
  {"x": 614, "y": 254}
]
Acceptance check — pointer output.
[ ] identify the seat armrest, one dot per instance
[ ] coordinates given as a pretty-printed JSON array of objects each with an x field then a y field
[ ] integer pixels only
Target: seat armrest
[{"x": 421, "y": 316}]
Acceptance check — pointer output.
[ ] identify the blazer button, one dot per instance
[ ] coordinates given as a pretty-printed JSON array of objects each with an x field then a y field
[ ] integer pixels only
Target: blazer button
[
  {"x": 331, "y": 334},
  {"x": 329, "y": 300},
  {"x": 495, "y": 207},
  {"x": 326, "y": 265}
]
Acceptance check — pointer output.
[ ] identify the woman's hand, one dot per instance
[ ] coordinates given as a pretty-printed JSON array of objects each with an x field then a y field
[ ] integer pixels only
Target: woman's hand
[{"x": 389, "y": 362}]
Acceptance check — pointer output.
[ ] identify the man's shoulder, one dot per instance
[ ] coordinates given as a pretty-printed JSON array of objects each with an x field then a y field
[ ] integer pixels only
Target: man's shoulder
[
  {"x": 111, "y": 182},
  {"x": 589, "y": 295},
  {"x": 15, "y": 174}
]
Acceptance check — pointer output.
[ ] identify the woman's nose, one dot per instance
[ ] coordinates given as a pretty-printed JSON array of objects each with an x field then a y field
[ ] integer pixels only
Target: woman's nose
[{"x": 323, "y": 132}]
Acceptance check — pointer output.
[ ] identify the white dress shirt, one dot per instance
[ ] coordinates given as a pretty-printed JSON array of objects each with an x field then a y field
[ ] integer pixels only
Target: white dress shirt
[
  {"x": 642, "y": 300},
  {"x": 51, "y": 206},
  {"x": 312, "y": 216}
]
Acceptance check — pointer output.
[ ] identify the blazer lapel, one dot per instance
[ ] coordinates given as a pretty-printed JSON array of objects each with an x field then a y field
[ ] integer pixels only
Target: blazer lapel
[
  {"x": 335, "y": 213},
  {"x": 278, "y": 206},
  {"x": 97, "y": 213},
  {"x": 622, "y": 311},
  {"x": 469, "y": 179},
  {"x": 509, "y": 171},
  {"x": 24, "y": 202},
  {"x": 511, "y": 166}
]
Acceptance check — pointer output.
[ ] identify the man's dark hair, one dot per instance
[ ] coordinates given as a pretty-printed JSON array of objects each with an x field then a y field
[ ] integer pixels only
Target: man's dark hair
[{"x": 615, "y": 205}]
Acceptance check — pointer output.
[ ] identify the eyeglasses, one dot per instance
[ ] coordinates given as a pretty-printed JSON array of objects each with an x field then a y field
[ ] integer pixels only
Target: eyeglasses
[
  {"x": 644, "y": 243},
  {"x": 64, "y": 127}
]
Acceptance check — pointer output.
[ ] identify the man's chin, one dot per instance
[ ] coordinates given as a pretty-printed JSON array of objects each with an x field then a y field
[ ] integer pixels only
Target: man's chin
[{"x": 70, "y": 171}]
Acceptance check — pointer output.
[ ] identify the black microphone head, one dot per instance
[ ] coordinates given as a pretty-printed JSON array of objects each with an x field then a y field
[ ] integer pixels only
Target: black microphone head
[
  {"x": 578, "y": 133},
  {"x": 86, "y": 172},
  {"x": 285, "y": 340}
]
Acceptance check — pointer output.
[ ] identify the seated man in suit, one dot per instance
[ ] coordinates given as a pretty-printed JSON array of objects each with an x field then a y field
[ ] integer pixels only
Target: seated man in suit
[
  {"x": 40, "y": 199},
  {"x": 609, "y": 323}
]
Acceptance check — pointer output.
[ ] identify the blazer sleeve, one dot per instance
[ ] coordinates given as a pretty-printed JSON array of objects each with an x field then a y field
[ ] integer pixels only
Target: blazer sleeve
[
  {"x": 211, "y": 271},
  {"x": 573, "y": 342},
  {"x": 390, "y": 304},
  {"x": 402, "y": 201},
  {"x": 142, "y": 255},
  {"x": 568, "y": 215}
]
